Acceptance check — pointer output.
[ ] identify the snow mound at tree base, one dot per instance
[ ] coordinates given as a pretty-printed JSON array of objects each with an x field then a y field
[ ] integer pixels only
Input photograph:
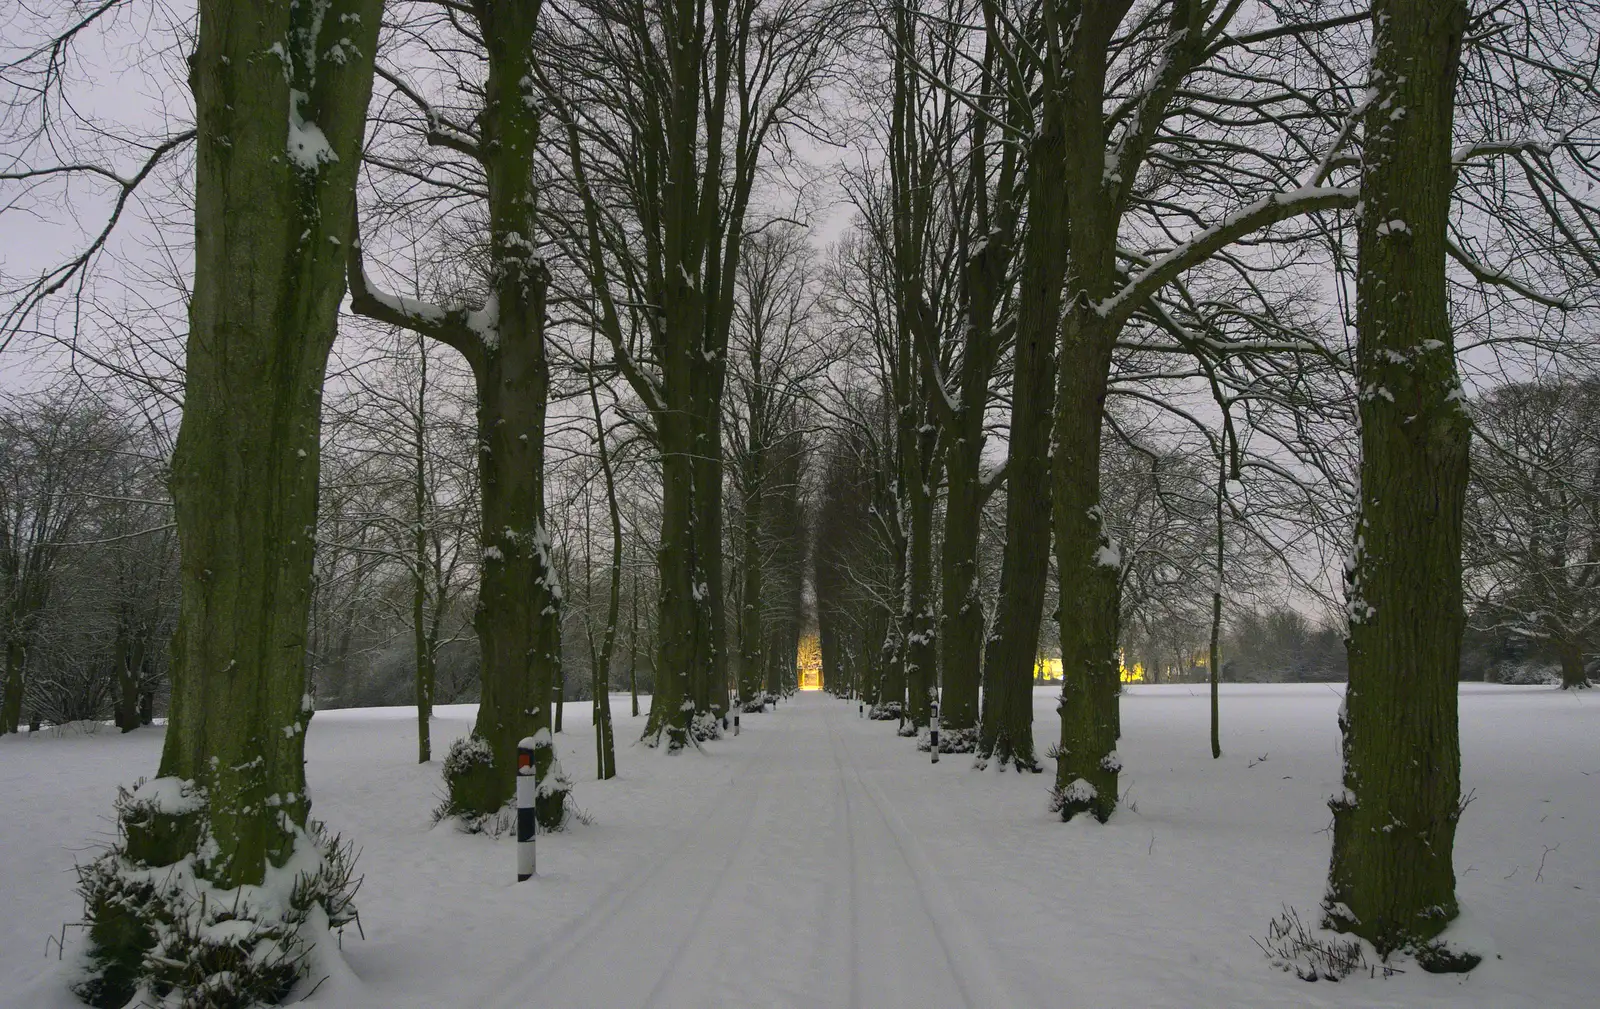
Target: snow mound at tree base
[{"x": 164, "y": 935}]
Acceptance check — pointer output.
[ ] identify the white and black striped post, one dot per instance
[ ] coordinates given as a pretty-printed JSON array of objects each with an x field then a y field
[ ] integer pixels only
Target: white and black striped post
[
  {"x": 933, "y": 732},
  {"x": 527, "y": 821},
  {"x": 738, "y": 706}
]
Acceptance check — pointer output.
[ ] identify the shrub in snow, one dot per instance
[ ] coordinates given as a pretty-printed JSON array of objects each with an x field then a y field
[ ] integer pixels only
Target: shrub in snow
[
  {"x": 886, "y": 711},
  {"x": 471, "y": 791},
  {"x": 755, "y": 704},
  {"x": 160, "y": 931},
  {"x": 1078, "y": 797},
  {"x": 958, "y": 740},
  {"x": 1526, "y": 674},
  {"x": 1292, "y": 945},
  {"x": 471, "y": 795},
  {"x": 705, "y": 725}
]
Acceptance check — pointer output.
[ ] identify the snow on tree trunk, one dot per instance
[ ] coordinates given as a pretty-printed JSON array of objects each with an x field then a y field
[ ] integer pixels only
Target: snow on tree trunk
[
  {"x": 1392, "y": 879},
  {"x": 1090, "y": 571},
  {"x": 279, "y": 122}
]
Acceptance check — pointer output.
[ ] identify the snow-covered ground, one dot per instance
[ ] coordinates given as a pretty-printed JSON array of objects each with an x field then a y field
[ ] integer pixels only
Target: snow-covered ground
[{"x": 819, "y": 860}]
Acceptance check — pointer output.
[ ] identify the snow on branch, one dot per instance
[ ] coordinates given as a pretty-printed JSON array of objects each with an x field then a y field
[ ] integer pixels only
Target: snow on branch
[
  {"x": 469, "y": 331},
  {"x": 440, "y": 132},
  {"x": 1261, "y": 214},
  {"x": 1497, "y": 278}
]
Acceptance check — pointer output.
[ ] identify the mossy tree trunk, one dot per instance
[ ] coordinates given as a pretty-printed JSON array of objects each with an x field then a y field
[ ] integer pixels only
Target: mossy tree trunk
[
  {"x": 1090, "y": 576},
  {"x": 518, "y": 613},
  {"x": 270, "y": 225},
  {"x": 1392, "y": 878}
]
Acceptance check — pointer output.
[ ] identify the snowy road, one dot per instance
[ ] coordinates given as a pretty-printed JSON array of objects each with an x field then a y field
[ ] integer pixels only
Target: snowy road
[
  {"x": 798, "y": 886},
  {"x": 818, "y": 860}
]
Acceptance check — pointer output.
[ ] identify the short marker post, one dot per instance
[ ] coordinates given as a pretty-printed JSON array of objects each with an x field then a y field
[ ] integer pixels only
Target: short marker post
[
  {"x": 527, "y": 821},
  {"x": 933, "y": 732},
  {"x": 738, "y": 706}
]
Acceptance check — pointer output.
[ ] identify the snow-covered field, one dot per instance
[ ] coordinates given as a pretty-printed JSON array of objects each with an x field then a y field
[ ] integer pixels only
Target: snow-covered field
[{"x": 819, "y": 860}]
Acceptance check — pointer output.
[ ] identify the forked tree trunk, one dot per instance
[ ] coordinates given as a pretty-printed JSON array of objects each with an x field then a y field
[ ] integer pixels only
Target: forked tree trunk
[
  {"x": 269, "y": 276},
  {"x": 1392, "y": 877}
]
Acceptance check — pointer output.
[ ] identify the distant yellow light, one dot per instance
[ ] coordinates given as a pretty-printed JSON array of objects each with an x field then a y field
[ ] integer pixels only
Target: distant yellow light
[
  {"x": 808, "y": 663},
  {"x": 1130, "y": 674},
  {"x": 1048, "y": 670}
]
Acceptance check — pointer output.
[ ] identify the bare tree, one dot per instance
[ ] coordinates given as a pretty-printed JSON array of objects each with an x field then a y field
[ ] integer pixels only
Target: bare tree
[
  {"x": 669, "y": 113},
  {"x": 1532, "y": 530}
]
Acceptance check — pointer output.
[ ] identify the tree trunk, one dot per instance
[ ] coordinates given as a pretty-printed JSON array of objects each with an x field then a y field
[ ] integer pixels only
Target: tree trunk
[
  {"x": 1216, "y": 673},
  {"x": 752, "y": 635},
  {"x": 708, "y": 514},
  {"x": 1392, "y": 879},
  {"x": 425, "y": 673},
  {"x": 919, "y": 645},
  {"x": 684, "y": 620},
  {"x": 1090, "y": 571},
  {"x": 268, "y": 280},
  {"x": 605, "y": 742},
  {"x": 518, "y": 615},
  {"x": 1012, "y": 650},
  {"x": 633, "y": 645},
  {"x": 1573, "y": 674},
  {"x": 1214, "y": 659},
  {"x": 1088, "y": 564},
  {"x": 128, "y": 663},
  {"x": 11, "y": 703}
]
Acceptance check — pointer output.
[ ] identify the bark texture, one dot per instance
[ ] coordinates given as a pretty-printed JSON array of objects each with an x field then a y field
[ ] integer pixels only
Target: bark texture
[
  {"x": 1392, "y": 879},
  {"x": 518, "y": 614},
  {"x": 270, "y": 225}
]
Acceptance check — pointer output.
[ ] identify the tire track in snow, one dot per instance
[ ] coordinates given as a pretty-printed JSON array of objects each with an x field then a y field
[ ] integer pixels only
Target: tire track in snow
[
  {"x": 834, "y": 748},
  {"x": 728, "y": 869},
  {"x": 975, "y": 978},
  {"x": 620, "y": 896}
]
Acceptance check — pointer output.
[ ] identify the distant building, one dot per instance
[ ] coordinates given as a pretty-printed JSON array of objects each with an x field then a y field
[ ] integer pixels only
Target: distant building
[
  {"x": 808, "y": 663},
  {"x": 1047, "y": 669}
]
